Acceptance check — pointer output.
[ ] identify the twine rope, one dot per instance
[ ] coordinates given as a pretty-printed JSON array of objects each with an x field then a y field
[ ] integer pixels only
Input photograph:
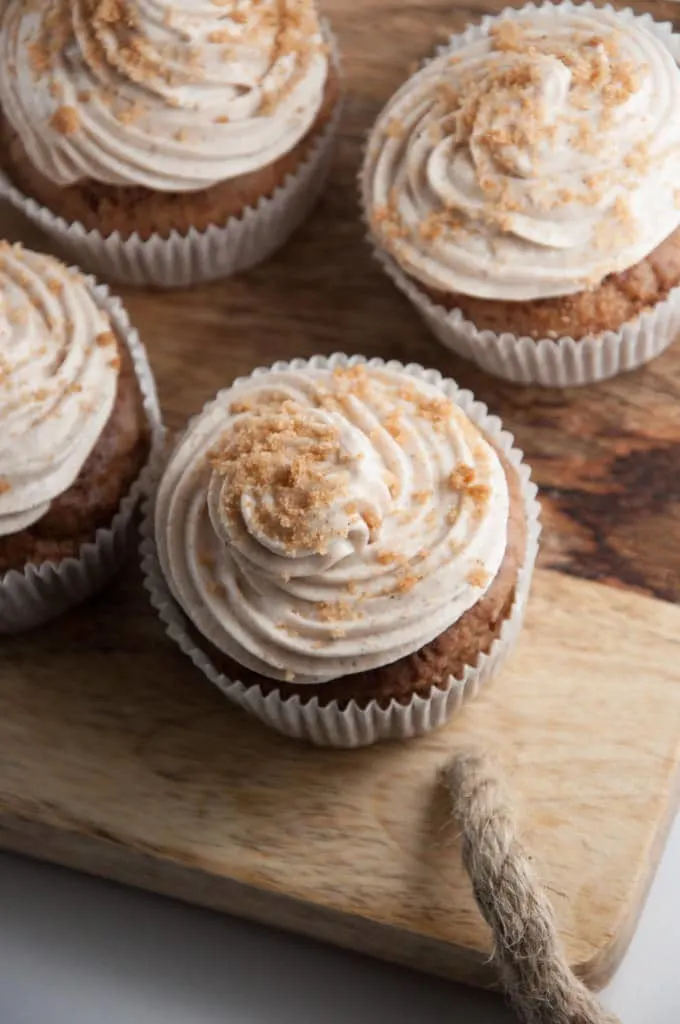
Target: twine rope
[{"x": 528, "y": 953}]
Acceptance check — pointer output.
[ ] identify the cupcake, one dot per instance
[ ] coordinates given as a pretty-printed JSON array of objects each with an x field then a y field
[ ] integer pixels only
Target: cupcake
[
  {"x": 166, "y": 142},
  {"x": 523, "y": 189},
  {"x": 78, "y": 421},
  {"x": 344, "y": 548}
]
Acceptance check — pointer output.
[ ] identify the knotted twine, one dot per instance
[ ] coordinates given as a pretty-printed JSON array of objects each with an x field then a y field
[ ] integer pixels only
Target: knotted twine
[{"x": 528, "y": 954}]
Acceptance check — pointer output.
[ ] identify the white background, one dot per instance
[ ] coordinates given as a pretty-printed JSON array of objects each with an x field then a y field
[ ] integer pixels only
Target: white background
[{"x": 75, "y": 950}]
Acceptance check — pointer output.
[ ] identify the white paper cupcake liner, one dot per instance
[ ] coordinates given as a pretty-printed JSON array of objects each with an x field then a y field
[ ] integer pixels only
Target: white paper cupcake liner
[
  {"x": 558, "y": 363},
  {"x": 41, "y": 592},
  {"x": 199, "y": 256},
  {"x": 354, "y": 726},
  {"x": 549, "y": 362}
]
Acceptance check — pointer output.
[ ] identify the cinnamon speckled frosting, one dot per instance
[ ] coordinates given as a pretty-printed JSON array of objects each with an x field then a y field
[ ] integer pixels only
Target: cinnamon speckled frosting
[
  {"x": 173, "y": 96},
  {"x": 537, "y": 156},
  {"x": 59, "y": 367},
  {"x": 313, "y": 523}
]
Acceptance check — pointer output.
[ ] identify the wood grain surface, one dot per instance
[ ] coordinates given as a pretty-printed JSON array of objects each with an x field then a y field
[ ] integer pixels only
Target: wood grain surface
[{"x": 116, "y": 757}]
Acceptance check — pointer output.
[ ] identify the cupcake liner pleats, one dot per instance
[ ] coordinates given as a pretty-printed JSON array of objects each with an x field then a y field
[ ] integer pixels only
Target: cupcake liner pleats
[
  {"x": 353, "y": 726},
  {"x": 39, "y": 593},
  {"x": 549, "y": 362},
  {"x": 198, "y": 257}
]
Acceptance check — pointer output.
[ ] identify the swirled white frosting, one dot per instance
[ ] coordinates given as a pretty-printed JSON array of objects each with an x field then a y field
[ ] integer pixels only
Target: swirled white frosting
[
  {"x": 316, "y": 523},
  {"x": 174, "y": 96},
  {"x": 59, "y": 368},
  {"x": 534, "y": 159}
]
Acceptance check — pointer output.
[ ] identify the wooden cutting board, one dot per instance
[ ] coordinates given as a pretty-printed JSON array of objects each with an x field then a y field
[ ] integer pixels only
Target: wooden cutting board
[{"x": 118, "y": 758}]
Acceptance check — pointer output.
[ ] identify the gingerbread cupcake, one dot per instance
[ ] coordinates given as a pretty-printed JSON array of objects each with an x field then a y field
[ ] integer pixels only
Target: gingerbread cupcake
[
  {"x": 79, "y": 420},
  {"x": 344, "y": 548},
  {"x": 522, "y": 190},
  {"x": 162, "y": 142}
]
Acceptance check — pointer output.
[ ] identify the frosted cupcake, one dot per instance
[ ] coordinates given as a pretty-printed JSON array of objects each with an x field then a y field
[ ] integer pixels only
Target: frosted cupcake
[
  {"x": 166, "y": 141},
  {"x": 78, "y": 418},
  {"x": 522, "y": 189},
  {"x": 345, "y": 549}
]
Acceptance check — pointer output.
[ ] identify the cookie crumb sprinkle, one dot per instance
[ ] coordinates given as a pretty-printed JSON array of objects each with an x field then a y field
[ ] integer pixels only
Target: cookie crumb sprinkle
[{"x": 65, "y": 120}]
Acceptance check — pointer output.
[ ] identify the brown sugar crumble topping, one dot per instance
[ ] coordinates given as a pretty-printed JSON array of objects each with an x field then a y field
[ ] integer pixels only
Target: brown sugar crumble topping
[
  {"x": 111, "y": 36},
  {"x": 333, "y": 611},
  {"x": 407, "y": 582},
  {"x": 477, "y": 577},
  {"x": 294, "y": 458},
  {"x": 283, "y": 466},
  {"x": 461, "y": 477},
  {"x": 501, "y": 115},
  {"x": 65, "y": 120},
  {"x": 105, "y": 338}
]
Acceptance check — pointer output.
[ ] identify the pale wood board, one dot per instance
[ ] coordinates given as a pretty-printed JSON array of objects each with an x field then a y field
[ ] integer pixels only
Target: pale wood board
[{"x": 116, "y": 757}]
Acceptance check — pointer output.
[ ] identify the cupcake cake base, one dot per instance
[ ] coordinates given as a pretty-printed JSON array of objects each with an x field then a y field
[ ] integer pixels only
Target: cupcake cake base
[
  {"x": 143, "y": 213},
  {"x": 104, "y": 481},
  {"x": 551, "y": 362},
  {"x": 620, "y": 299}
]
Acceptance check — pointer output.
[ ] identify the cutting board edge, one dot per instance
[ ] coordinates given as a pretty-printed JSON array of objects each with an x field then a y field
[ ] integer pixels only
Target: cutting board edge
[
  {"x": 599, "y": 970},
  {"x": 98, "y": 858},
  {"x": 101, "y": 857}
]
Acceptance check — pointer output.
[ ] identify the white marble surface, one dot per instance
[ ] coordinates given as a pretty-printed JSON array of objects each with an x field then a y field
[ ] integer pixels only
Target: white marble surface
[{"x": 74, "y": 950}]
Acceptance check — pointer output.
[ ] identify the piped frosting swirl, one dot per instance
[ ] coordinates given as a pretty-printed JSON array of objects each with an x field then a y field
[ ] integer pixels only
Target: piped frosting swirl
[
  {"x": 173, "y": 96},
  {"x": 59, "y": 367},
  {"x": 314, "y": 523},
  {"x": 539, "y": 155}
]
